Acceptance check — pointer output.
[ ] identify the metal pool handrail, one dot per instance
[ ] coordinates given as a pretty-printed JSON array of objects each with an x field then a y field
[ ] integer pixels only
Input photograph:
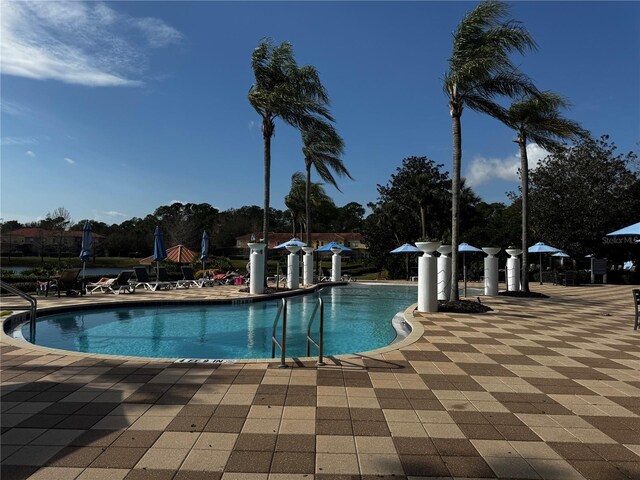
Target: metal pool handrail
[
  {"x": 34, "y": 306},
  {"x": 274, "y": 341},
  {"x": 320, "y": 344}
]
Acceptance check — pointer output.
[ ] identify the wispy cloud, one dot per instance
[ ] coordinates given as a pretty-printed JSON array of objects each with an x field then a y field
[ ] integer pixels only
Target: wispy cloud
[
  {"x": 70, "y": 161},
  {"x": 19, "y": 140},
  {"x": 482, "y": 170},
  {"x": 29, "y": 153},
  {"x": 81, "y": 43},
  {"x": 114, "y": 214},
  {"x": 11, "y": 108},
  {"x": 252, "y": 125},
  {"x": 177, "y": 201}
]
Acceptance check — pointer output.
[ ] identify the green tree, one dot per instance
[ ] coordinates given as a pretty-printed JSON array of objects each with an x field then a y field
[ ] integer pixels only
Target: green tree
[
  {"x": 283, "y": 90},
  {"x": 579, "y": 194},
  {"x": 322, "y": 148},
  {"x": 537, "y": 119},
  {"x": 303, "y": 197},
  {"x": 480, "y": 70}
]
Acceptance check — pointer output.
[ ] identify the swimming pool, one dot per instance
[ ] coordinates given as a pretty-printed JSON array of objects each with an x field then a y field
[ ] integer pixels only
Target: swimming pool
[{"x": 357, "y": 318}]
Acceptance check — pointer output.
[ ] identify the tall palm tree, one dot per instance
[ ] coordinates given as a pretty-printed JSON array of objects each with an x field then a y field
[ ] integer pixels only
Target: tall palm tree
[
  {"x": 537, "y": 118},
  {"x": 322, "y": 148},
  {"x": 283, "y": 90},
  {"x": 479, "y": 71}
]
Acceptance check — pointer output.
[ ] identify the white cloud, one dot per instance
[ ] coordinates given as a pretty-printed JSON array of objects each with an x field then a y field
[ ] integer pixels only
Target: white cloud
[
  {"x": 69, "y": 160},
  {"x": 80, "y": 43},
  {"x": 177, "y": 201},
  {"x": 482, "y": 170},
  {"x": 19, "y": 140},
  {"x": 113, "y": 213},
  {"x": 252, "y": 125},
  {"x": 11, "y": 108},
  {"x": 29, "y": 153}
]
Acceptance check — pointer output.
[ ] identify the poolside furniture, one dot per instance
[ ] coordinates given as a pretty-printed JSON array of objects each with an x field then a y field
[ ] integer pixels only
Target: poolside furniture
[
  {"x": 67, "y": 281},
  {"x": 163, "y": 280},
  {"x": 636, "y": 302},
  {"x": 189, "y": 279},
  {"x": 117, "y": 285},
  {"x": 142, "y": 279}
]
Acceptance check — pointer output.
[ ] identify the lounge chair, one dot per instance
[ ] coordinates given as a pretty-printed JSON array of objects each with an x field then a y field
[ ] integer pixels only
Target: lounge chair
[
  {"x": 67, "y": 281},
  {"x": 163, "y": 280},
  {"x": 142, "y": 279},
  {"x": 189, "y": 279},
  {"x": 636, "y": 301},
  {"x": 117, "y": 285}
]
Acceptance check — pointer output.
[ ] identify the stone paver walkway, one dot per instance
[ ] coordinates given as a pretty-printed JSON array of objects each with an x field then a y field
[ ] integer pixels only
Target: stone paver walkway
[{"x": 539, "y": 389}]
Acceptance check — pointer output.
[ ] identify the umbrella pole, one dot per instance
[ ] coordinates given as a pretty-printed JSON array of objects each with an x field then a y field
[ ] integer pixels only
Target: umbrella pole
[
  {"x": 84, "y": 266},
  {"x": 540, "y": 268},
  {"x": 464, "y": 272},
  {"x": 407, "y": 261}
]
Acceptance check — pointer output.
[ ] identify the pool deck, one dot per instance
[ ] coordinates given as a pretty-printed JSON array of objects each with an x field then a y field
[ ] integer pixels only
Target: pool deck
[{"x": 537, "y": 389}]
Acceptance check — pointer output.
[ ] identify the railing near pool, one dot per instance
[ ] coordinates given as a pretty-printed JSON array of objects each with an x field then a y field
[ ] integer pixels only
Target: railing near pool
[
  {"x": 320, "y": 344},
  {"x": 282, "y": 310},
  {"x": 32, "y": 301}
]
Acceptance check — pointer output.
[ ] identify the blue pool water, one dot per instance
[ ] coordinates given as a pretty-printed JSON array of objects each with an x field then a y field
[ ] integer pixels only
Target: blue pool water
[{"x": 357, "y": 319}]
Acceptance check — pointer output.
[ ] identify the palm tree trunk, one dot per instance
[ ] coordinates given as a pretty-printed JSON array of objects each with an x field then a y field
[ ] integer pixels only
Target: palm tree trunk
[
  {"x": 455, "y": 201},
  {"x": 423, "y": 222},
  {"x": 524, "y": 177},
  {"x": 266, "y": 133}
]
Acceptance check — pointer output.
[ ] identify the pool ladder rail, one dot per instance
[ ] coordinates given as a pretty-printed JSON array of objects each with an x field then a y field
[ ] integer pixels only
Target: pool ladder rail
[
  {"x": 282, "y": 343},
  {"x": 33, "y": 308}
]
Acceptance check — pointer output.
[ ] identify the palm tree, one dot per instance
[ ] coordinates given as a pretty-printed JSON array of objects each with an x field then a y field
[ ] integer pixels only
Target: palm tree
[
  {"x": 303, "y": 196},
  {"x": 322, "y": 148},
  {"x": 283, "y": 90},
  {"x": 479, "y": 71},
  {"x": 537, "y": 118}
]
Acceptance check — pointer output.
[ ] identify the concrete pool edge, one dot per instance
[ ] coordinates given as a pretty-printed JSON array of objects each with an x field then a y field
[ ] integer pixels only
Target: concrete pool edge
[{"x": 16, "y": 319}]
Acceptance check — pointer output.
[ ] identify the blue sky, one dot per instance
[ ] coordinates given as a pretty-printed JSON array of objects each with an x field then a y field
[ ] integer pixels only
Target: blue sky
[{"x": 113, "y": 109}]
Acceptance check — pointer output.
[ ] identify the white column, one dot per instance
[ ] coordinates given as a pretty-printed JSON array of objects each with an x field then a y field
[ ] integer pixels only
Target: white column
[
  {"x": 444, "y": 273},
  {"x": 256, "y": 282},
  {"x": 491, "y": 271},
  {"x": 513, "y": 269},
  {"x": 307, "y": 266},
  {"x": 427, "y": 277},
  {"x": 293, "y": 268},
  {"x": 336, "y": 265}
]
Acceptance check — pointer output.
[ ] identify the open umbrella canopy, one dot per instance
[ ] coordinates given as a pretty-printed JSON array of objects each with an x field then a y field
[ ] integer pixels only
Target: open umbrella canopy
[
  {"x": 330, "y": 245},
  {"x": 630, "y": 230},
  {"x": 87, "y": 242},
  {"x": 465, "y": 247},
  {"x": 406, "y": 248},
  {"x": 294, "y": 242},
  {"x": 541, "y": 247},
  {"x": 177, "y": 254},
  {"x": 560, "y": 254}
]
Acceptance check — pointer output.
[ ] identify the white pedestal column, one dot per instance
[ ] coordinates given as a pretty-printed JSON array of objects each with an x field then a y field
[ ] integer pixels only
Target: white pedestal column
[
  {"x": 293, "y": 268},
  {"x": 336, "y": 265},
  {"x": 427, "y": 277},
  {"x": 256, "y": 269},
  {"x": 444, "y": 273},
  {"x": 513, "y": 270},
  {"x": 307, "y": 266},
  {"x": 491, "y": 271}
]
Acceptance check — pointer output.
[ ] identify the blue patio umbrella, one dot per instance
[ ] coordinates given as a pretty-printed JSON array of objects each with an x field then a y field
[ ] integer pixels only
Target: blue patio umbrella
[
  {"x": 541, "y": 248},
  {"x": 562, "y": 256},
  {"x": 464, "y": 248},
  {"x": 87, "y": 246},
  {"x": 159, "y": 252},
  {"x": 204, "y": 251},
  {"x": 630, "y": 230},
  {"x": 294, "y": 242},
  {"x": 330, "y": 245},
  {"x": 406, "y": 248}
]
